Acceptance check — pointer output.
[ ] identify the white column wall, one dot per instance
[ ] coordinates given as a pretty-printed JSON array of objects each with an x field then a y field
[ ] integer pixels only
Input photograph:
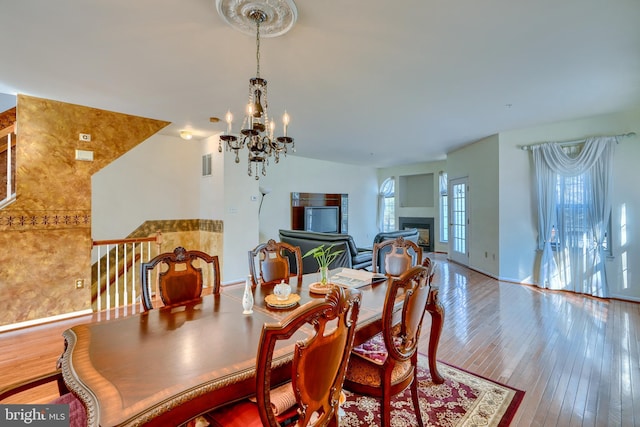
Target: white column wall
[{"x": 479, "y": 162}]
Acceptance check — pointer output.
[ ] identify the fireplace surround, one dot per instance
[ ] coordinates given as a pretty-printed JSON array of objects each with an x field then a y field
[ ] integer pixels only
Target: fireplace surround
[{"x": 425, "y": 228}]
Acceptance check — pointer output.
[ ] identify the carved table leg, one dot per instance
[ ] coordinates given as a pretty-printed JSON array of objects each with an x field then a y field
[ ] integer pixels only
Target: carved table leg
[{"x": 437, "y": 319}]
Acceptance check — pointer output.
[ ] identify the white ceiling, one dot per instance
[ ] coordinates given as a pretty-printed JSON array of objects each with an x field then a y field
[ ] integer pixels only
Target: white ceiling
[{"x": 369, "y": 82}]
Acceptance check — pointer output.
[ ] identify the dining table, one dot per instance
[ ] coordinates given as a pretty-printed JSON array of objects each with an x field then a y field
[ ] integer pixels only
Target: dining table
[{"x": 168, "y": 365}]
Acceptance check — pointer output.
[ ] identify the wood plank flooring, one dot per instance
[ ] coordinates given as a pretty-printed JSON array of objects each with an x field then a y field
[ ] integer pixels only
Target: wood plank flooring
[{"x": 577, "y": 358}]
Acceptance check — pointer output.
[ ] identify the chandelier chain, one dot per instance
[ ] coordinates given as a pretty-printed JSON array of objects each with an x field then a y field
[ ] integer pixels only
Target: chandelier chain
[{"x": 258, "y": 48}]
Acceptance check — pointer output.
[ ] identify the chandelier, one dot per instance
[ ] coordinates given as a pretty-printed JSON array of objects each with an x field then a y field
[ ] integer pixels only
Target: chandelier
[{"x": 257, "y": 129}]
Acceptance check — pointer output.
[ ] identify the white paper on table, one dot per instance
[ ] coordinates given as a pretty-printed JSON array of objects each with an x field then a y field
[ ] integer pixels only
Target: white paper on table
[{"x": 352, "y": 278}]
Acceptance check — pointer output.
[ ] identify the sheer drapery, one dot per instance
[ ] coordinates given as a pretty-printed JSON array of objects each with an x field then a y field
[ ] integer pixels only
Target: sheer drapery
[
  {"x": 574, "y": 207},
  {"x": 443, "y": 183}
]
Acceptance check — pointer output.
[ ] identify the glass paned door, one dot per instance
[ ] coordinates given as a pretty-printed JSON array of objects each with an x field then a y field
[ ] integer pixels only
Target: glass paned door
[{"x": 459, "y": 221}]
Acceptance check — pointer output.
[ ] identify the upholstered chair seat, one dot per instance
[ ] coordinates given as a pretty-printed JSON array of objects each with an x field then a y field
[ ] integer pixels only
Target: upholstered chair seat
[
  {"x": 363, "y": 372},
  {"x": 246, "y": 414},
  {"x": 368, "y": 357}
]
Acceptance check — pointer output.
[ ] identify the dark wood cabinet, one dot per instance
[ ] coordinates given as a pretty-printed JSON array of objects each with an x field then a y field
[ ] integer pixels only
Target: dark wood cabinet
[{"x": 301, "y": 200}]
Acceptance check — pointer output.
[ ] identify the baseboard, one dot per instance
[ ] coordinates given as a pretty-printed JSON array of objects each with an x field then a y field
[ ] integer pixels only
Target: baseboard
[{"x": 13, "y": 326}]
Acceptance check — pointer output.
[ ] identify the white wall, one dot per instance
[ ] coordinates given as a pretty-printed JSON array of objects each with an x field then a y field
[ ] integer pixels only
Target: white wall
[
  {"x": 509, "y": 227},
  {"x": 517, "y": 214},
  {"x": 240, "y": 217},
  {"x": 7, "y": 102},
  {"x": 432, "y": 212},
  {"x": 150, "y": 182},
  {"x": 211, "y": 187},
  {"x": 298, "y": 174},
  {"x": 479, "y": 162}
]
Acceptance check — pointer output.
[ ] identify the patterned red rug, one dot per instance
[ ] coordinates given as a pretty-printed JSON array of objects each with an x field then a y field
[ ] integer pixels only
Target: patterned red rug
[{"x": 464, "y": 399}]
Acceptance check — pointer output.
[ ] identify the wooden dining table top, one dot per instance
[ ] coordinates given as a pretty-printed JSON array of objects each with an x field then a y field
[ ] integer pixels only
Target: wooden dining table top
[{"x": 168, "y": 365}]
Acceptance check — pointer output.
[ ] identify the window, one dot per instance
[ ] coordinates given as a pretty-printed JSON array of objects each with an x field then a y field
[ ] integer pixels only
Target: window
[
  {"x": 388, "y": 205},
  {"x": 444, "y": 208},
  {"x": 572, "y": 215}
]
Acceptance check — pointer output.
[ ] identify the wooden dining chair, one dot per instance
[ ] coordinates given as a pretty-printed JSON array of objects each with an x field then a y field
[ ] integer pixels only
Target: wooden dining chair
[
  {"x": 394, "y": 257},
  {"x": 386, "y": 364},
  {"x": 182, "y": 280},
  {"x": 269, "y": 263},
  {"x": 317, "y": 370},
  {"x": 77, "y": 411}
]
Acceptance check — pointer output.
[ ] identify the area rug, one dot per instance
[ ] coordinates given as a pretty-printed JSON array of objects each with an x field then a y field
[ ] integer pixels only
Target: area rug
[{"x": 464, "y": 399}]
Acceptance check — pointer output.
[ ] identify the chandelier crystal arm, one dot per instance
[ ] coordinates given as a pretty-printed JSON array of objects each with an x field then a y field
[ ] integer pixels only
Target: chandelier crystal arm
[{"x": 258, "y": 136}]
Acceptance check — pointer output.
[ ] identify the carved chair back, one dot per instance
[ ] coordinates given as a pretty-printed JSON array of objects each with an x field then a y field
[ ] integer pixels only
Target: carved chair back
[
  {"x": 182, "y": 280},
  {"x": 319, "y": 362},
  {"x": 394, "y": 257},
  {"x": 269, "y": 262}
]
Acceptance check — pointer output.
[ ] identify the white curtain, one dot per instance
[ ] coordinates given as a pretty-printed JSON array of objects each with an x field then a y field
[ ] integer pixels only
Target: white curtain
[
  {"x": 442, "y": 183},
  {"x": 574, "y": 207}
]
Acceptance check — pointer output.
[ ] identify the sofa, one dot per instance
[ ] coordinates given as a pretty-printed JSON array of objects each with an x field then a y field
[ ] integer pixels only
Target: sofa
[
  {"x": 352, "y": 257},
  {"x": 408, "y": 234}
]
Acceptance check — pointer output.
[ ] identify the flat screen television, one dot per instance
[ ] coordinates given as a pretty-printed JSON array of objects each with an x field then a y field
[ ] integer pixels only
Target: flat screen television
[{"x": 323, "y": 219}]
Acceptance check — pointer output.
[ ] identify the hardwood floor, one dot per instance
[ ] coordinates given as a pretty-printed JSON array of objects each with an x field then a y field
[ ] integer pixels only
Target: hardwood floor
[{"x": 577, "y": 358}]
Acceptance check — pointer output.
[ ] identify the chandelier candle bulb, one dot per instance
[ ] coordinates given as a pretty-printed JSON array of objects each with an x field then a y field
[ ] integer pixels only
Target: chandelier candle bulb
[
  {"x": 250, "y": 116},
  {"x": 285, "y": 121},
  {"x": 229, "y": 118}
]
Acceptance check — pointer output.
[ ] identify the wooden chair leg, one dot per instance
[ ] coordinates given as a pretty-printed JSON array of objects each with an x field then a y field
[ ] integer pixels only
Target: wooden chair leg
[
  {"x": 416, "y": 400},
  {"x": 385, "y": 409},
  {"x": 436, "y": 311}
]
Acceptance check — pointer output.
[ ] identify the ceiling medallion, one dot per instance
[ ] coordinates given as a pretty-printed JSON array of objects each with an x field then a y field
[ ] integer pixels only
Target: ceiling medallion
[{"x": 279, "y": 15}]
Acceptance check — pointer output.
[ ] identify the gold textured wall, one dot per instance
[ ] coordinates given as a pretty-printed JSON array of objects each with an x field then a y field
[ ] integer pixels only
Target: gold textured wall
[
  {"x": 45, "y": 236},
  {"x": 200, "y": 234}
]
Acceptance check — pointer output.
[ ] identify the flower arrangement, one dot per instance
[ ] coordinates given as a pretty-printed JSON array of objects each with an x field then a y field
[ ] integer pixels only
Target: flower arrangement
[{"x": 324, "y": 257}]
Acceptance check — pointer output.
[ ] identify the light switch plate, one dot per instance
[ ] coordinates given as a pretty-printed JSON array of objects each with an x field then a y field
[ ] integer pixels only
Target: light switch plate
[{"x": 84, "y": 155}]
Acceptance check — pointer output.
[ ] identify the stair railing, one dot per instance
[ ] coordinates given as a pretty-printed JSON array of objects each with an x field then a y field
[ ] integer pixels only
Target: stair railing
[
  {"x": 7, "y": 134},
  {"x": 115, "y": 280}
]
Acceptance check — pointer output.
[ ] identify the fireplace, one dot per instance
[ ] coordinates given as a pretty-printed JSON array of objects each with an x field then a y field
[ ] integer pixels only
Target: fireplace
[{"x": 424, "y": 226}]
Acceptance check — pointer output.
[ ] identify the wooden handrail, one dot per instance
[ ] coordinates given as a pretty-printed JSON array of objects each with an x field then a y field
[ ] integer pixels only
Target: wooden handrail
[
  {"x": 124, "y": 241},
  {"x": 7, "y": 130}
]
